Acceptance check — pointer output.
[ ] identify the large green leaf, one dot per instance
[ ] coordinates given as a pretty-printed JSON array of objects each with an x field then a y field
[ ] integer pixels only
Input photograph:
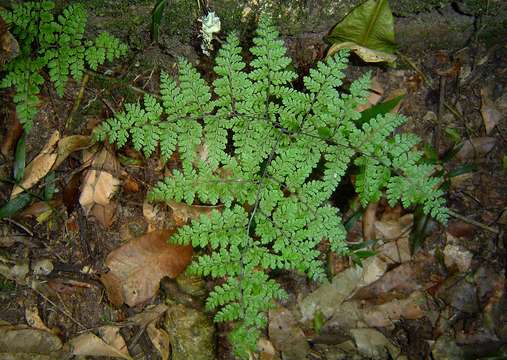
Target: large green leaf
[{"x": 369, "y": 26}]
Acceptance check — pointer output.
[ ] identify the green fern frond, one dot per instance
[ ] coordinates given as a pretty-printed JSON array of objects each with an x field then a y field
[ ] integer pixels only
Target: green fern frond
[{"x": 56, "y": 44}]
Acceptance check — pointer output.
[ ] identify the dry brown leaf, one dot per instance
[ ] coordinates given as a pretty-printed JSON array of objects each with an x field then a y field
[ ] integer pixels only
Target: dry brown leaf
[
  {"x": 376, "y": 92},
  {"x": 39, "y": 166},
  {"x": 99, "y": 185},
  {"x": 22, "y": 339},
  {"x": 33, "y": 318},
  {"x": 476, "y": 147},
  {"x": 68, "y": 145},
  {"x": 160, "y": 340},
  {"x": 104, "y": 213},
  {"x": 137, "y": 267},
  {"x": 157, "y": 215},
  {"x": 491, "y": 115},
  {"x": 131, "y": 185},
  {"x": 369, "y": 218},
  {"x": 266, "y": 350},
  {"x": 182, "y": 212},
  {"x": 14, "y": 130},
  {"x": 88, "y": 344},
  {"x": 151, "y": 314},
  {"x": 111, "y": 336},
  {"x": 41, "y": 207},
  {"x": 394, "y": 229}
]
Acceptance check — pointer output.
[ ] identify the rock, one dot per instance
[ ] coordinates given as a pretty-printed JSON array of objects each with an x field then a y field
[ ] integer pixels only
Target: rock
[
  {"x": 328, "y": 296},
  {"x": 42, "y": 267},
  {"x": 191, "y": 333},
  {"x": 457, "y": 258},
  {"x": 446, "y": 349},
  {"x": 373, "y": 344},
  {"x": 286, "y": 335}
]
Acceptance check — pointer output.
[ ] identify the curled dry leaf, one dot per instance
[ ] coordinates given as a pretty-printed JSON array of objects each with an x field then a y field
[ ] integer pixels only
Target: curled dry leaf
[
  {"x": 137, "y": 267},
  {"x": 100, "y": 183},
  {"x": 376, "y": 92},
  {"x": 490, "y": 112},
  {"x": 89, "y": 344},
  {"x": 160, "y": 340},
  {"x": 33, "y": 318},
  {"x": 39, "y": 166},
  {"x": 111, "y": 336},
  {"x": 68, "y": 145},
  {"x": 151, "y": 314},
  {"x": 182, "y": 212},
  {"x": 476, "y": 147}
]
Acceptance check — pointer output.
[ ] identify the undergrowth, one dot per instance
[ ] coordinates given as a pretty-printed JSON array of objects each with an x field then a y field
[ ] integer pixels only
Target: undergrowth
[
  {"x": 52, "y": 45},
  {"x": 272, "y": 156}
]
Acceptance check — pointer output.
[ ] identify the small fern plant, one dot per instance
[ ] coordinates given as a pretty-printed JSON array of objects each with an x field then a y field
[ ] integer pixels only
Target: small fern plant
[
  {"x": 56, "y": 45},
  {"x": 272, "y": 156}
]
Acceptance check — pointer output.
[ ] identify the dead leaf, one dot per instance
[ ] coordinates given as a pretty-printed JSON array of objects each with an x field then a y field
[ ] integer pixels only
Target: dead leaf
[
  {"x": 286, "y": 335},
  {"x": 68, "y": 145},
  {"x": 131, "y": 185},
  {"x": 376, "y": 92},
  {"x": 182, "y": 212},
  {"x": 41, "y": 207},
  {"x": 387, "y": 314},
  {"x": 33, "y": 318},
  {"x": 151, "y": 314},
  {"x": 369, "y": 218},
  {"x": 160, "y": 340},
  {"x": 39, "y": 167},
  {"x": 14, "y": 129},
  {"x": 137, "y": 267},
  {"x": 157, "y": 215},
  {"x": 99, "y": 185},
  {"x": 111, "y": 336},
  {"x": 88, "y": 344},
  {"x": 366, "y": 54},
  {"x": 266, "y": 350},
  {"x": 491, "y": 115},
  {"x": 389, "y": 230},
  {"x": 476, "y": 147},
  {"x": 9, "y": 47}
]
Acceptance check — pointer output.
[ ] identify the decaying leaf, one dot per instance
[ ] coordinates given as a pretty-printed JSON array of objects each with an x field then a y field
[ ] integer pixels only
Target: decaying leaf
[
  {"x": 137, "y": 267},
  {"x": 89, "y": 344},
  {"x": 9, "y": 47},
  {"x": 33, "y": 318},
  {"x": 68, "y": 145},
  {"x": 99, "y": 185},
  {"x": 39, "y": 166},
  {"x": 149, "y": 315},
  {"x": 160, "y": 340},
  {"x": 476, "y": 147},
  {"x": 286, "y": 335},
  {"x": 182, "y": 212},
  {"x": 111, "y": 336},
  {"x": 14, "y": 130},
  {"x": 491, "y": 114},
  {"x": 366, "y": 54}
]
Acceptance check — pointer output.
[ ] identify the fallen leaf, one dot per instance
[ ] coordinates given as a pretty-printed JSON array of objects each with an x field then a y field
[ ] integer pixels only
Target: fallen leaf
[
  {"x": 9, "y": 47},
  {"x": 137, "y": 267},
  {"x": 40, "y": 207},
  {"x": 286, "y": 335},
  {"x": 266, "y": 350},
  {"x": 389, "y": 230},
  {"x": 182, "y": 212},
  {"x": 14, "y": 132},
  {"x": 369, "y": 218},
  {"x": 476, "y": 147},
  {"x": 157, "y": 215},
  {"x": 68, "y": 145},
  {"x": 100, "y": 184},
  {"x": 131, "y": 185},
  {"x": 111, "y": 336},
  {"x": 151, "y": 314},
  {"x": 33, "y": 318},
  {"x": 491, "y": 115},
  {"x": 39, "y": 167},
  {"x": 366, "y": 54},
  {"x": 160, "y": 340},
  {"x": 88, "y": 344}
]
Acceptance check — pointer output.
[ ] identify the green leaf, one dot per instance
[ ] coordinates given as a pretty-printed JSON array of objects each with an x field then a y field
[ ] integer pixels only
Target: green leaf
[
  {"x": 462, "y": 169},
  {"x": 379, "y": 109},
  {"x": 156, "y": 18},
  {"x": 453, "y": 134},
  {"x": 369, "y": 25},
  {"x": 50, "y": 188},
  {"x": 20, "y": 159},
  {"x": 15, "y": 205}
]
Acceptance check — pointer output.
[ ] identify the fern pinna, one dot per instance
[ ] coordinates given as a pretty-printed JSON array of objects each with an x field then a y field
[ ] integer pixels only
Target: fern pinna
[
  {"x": 265, "y": 147},
  {"x": 55, "y": 44}
]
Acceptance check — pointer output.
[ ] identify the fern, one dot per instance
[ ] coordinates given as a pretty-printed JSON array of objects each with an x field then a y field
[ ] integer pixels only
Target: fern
[
  {"x": 53, "y": 44},
  {"x": 274, "y": 157}
]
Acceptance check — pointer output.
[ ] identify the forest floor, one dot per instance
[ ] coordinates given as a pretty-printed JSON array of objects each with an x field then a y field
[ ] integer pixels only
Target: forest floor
[{"x": 429, "y": 292}]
